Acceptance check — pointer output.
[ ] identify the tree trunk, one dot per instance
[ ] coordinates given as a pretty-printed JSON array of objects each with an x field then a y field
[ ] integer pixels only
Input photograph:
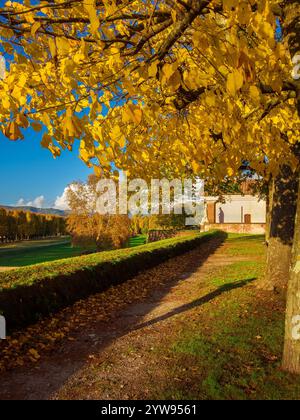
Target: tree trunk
[
  {"x": 281, "y": 230},
  {"x": 269, "y": 209},
  {"x": 291, "y": 354}
]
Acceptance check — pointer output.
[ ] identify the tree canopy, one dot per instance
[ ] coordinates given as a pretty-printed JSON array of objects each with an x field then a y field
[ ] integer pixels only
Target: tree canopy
[
  {"x": 16, "y": 225},
  {"x": 155, "y": 86}
]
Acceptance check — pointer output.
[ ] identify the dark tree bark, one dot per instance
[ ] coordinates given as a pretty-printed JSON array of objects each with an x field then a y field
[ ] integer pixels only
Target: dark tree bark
[
  {"x": 291, "y": 354},
  {"x": 285, "y": 192},
  {"x": 269, "y": 209},
  {"x": 280, "y": 230}
]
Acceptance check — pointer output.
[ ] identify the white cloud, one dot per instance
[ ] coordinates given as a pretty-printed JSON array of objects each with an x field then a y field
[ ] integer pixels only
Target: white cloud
[
  {"x": 61, "y": 202},
  {"x": 21, "y": 202},
  {"x": 38, "y": 202}
]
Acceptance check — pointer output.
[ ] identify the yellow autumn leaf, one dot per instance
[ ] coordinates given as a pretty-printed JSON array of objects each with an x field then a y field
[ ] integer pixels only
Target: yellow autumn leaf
[
  {"x": 68, "y": 127},
  {"x": 152, "y": 71},
  {"x": 46, "y": 141},
  {"x": 22, "y": 80},
  {"x": 210, "y": 99},
  {"x": 195, "y": 167},
  {"x": 29, "y": 17},
  {"x": 52, "y": 47},
  {"x": 174, "y": 81},
  {"x": 229, "y": 4},
  {"x": 90, "y": 7},
  {"x": 36, "y": 126},
  {"x": 244, "y": 12},
  {"x": 98, "y": 171},
  {"x": 122, "y": 141},
  {"x": 6, "y": 102},
  {"x": 84, "y": 155},
  {"x": 13, "y": 131},
  {"x": 235, "y": 81},
  {"x": 200, "y": 41},
  {"x": 254, "y": 93},
  {"x": 134, "y": 114},
  {"x": 22, "y": 121},
  {"x": 167, "y": 71},
  {"x": 35, "y": 27},
  {"x": 63, "y": 46},
  {"x": 116, "y": 132},
  {"x": 34, "y": 353},
  {"x": 230, "y": 172}
]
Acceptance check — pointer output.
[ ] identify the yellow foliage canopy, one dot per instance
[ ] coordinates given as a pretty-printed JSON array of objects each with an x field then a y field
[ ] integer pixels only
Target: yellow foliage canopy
[{"x": 168, "y": 88}]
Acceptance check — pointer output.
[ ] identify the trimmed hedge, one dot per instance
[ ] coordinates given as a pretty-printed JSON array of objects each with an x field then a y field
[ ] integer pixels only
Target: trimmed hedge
[{"x": 29, "y": 293}]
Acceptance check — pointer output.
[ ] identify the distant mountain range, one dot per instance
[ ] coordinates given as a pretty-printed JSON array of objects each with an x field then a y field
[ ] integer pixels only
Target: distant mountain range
[{"x": 55, "y": 212}]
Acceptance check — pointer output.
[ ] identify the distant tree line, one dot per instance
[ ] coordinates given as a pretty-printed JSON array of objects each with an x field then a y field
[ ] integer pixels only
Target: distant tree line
[{"x": 16, "y": 225}]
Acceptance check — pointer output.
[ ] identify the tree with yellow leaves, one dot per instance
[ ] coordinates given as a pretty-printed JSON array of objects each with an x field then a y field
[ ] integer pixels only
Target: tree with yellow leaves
[
  {"x": 87, "y": 226},
  {"x": 166, "y": 87}
]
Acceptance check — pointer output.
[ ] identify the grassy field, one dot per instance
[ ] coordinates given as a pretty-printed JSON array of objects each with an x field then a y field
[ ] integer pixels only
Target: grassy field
[
  {"x": 21, "y": 254},
  {"x": 137, "y": 241},
  {"x": 26, "y": 253}
]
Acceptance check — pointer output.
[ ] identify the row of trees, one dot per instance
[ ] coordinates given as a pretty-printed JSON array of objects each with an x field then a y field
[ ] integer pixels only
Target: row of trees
[
  {"x": 19, "y": 225},
  {"x": 171, "y": 88}
]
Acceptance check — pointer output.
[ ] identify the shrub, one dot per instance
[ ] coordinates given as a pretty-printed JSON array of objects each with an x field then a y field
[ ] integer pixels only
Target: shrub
[{"x": 27, "y": 294}]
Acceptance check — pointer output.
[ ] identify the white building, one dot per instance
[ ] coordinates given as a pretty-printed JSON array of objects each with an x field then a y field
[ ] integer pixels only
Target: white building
[{"x": 238, "y": 213}]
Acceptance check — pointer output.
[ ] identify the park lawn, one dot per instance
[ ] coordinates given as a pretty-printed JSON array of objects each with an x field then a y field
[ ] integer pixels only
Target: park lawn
[
  {"x": 33, "y": 243},
  {"x": 22, "y": 254},
  {"x": 26, "y": 253},
  {"x": 137, "y": 241}
]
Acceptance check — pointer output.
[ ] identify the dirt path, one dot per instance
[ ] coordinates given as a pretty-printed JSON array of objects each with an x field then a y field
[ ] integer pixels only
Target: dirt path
[{"x": 110, "y": 334}]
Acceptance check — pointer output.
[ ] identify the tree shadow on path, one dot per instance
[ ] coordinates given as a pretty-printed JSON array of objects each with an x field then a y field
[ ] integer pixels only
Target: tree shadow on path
[
  {"x": 196, "y": 303},
  {"x": 49, "y": 374}
]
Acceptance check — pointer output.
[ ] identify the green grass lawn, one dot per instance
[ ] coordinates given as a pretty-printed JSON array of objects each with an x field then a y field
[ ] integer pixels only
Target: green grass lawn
[
  {"x": 137, "y": 241},
  {"x": 26, "y": 253},
  {"x": 231, "y": 348},
  {"x": 21, "y": 254}
]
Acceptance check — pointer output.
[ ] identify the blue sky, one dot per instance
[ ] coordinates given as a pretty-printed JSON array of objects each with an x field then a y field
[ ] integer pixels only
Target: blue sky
[{"x": 28, "y": 171}]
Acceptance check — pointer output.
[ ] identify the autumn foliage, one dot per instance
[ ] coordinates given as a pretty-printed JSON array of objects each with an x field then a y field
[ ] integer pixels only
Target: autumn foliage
[
  {"x": 19, "y": 225},
  {"x": 184, "y": 86},
  {"x": 87, "y": 226},
  {"x": 166, "y": 88}
]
